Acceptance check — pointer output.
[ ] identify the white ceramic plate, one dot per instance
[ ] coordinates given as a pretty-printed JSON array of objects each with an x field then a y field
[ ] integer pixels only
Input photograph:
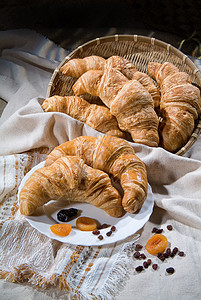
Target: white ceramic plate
[{"x": 126, "y": 226}]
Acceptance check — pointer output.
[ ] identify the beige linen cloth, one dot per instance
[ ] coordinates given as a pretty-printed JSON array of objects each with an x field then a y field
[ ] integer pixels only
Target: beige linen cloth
[{"x": 32, "y": 266}]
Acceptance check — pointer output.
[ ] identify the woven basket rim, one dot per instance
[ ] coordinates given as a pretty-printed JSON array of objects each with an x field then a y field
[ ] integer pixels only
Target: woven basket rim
[{"x": 137, "y": 38}]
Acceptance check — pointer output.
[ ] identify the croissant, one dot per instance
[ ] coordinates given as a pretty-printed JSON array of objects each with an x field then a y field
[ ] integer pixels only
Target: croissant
[
  {"x": 128, "y": 101},
  {"x": 121, "y": 64},
  {"x": 160, "y": 71},
  {"x": 96, "y": 116},
  {"x": 180, "y": 104},
  {"x": 114, "y": 156},
  {"x": 128, "y": 69},
  {"x": 78, "y": 66},
  {"x": 148, "y": 83},
  {"x": 69, "y": 178}
]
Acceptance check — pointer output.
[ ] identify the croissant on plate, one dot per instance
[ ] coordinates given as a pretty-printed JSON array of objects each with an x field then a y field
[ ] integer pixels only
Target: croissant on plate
[
  {"x": 127, "y": 100},
  {"x": 96, "y": 116},
  {"x": 180, "y": 104},
  {"x": 114, "y": 156},
  {"x": 70, "y": 179}
]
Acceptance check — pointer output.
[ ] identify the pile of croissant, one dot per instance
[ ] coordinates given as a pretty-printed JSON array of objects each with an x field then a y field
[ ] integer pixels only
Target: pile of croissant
[
  {"x": 103, "y": 171},
  {"x": 132, "y": 103}
]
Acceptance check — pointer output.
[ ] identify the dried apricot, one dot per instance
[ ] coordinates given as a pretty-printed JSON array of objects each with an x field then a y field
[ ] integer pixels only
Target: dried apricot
[
  {"x": 61, "y": 229},
  {"x": 86, "y": 224},
  {"x": 157, "y": 243}
]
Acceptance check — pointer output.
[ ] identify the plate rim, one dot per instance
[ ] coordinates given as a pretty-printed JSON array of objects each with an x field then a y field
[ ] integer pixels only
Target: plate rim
[{"x": 97, "y": 242}]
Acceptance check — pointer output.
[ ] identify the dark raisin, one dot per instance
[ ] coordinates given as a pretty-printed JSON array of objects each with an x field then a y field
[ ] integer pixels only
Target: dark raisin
[
  {"x": 72, "y": 212},
  {"x": 109, "y": 233},
  {"x": 105, "y": 226},
  {"x": 138, "y": 247},
  {"x": 168, "y": 251},
  {"x": 136, "y": 254},
  {"x": 159, "y": 254},
  {"x": 113, "y": 228},
  {"x": 181, "y": 253},
  {"x": 166, "y": 255},
  {"x": 162, "y": 257},
  {"x": 96, "y": 232},
  {"x": 143, "y": 256},
  {"x": 100, "y": 237},
  {"x": 159, "y": 231},
  {"x": 145, "y": 264},
  {"x": 154, "y": 229},
  {"x": 155, "y": 266},
  {"x": 170, "y": 270},
  {"x": 139, "y": 268},
  {"x": 169, "y": 227},
  {"x": 175, "y": 250},
  {"x": 61, "y": 216},
  {"x": 149, "y": 261},
  {"x": 65, "y": 214}
]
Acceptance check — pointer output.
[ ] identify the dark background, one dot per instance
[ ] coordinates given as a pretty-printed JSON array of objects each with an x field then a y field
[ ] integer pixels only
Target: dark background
[{"x": 70, "y": 23}]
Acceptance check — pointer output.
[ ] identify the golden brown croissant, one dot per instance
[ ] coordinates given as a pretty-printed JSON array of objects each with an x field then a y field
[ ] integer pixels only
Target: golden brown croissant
[
  {"x": 78, "y": 66},
  {"x": 128, "y": 69},
  {"x": 160, "y": 71},
  {"x": 121, "y": 64},
  {"x": 96, "y": 116},
  {"x": 128, "y": 101},
  {"x": 114, "y": 156},
  {"x": 180, "y": 104},
  {"x": 148, "y": 83},
  {"x": 70, "y": 179}
]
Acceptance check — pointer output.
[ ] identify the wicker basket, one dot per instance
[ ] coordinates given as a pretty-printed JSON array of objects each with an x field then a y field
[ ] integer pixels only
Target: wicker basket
[{"x": 139, "y": 50}]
